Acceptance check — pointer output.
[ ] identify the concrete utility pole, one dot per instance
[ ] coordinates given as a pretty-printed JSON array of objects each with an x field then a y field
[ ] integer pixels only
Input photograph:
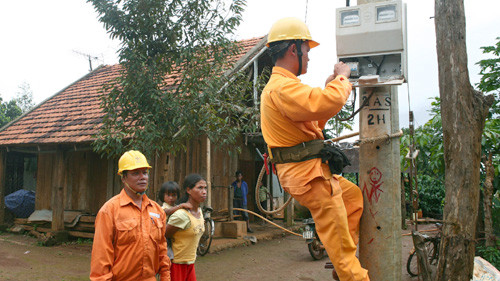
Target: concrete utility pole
[{"x": 380, "y": 182}]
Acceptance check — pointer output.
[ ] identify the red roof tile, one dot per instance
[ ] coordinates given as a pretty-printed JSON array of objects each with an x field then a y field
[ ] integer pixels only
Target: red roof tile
[{"x": 73, "y": 115}]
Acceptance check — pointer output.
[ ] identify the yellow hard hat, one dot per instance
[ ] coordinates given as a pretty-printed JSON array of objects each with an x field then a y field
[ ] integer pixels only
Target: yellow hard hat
[
  {"x": 132, "y": 160},
  {"x": 290, "y": 29}
]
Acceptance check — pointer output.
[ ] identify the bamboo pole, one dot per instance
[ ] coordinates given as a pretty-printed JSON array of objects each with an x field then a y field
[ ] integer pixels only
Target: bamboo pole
[{"x": 209, "y": 175}]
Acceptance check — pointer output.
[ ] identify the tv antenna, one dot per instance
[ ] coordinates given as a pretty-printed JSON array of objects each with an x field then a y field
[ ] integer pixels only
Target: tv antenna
[{"x": 90, "y": 58}]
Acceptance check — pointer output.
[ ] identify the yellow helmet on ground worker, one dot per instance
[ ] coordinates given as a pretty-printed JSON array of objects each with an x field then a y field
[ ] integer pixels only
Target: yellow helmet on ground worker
[
  {"x": 132, "y": 160},
  {"x": 288, "y": 31}
]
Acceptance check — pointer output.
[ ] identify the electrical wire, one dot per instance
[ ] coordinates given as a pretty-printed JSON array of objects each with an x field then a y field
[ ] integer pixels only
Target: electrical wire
[
  {"x": 365, "y": 103},
  {"x": 305, "y": 17},
  {"x": 255, "y": 214}
]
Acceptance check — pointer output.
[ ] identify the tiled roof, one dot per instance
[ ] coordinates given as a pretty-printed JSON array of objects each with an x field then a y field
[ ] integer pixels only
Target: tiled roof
[{"x": 73, "y": 115}]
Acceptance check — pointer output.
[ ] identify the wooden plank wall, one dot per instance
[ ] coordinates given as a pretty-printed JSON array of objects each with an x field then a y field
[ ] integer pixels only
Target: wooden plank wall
[
  {"x": 97, "y": 181},
  {"x": 250, "y": 169},
  {"x": 88, "y": 176},
  {"x": 44, "y": 181},
  {"x": 76, "y": 184},
  {"x": 194, "y": 160},
  {"x": 3, "y": 158},
  {"x": 85, "y": 181}
]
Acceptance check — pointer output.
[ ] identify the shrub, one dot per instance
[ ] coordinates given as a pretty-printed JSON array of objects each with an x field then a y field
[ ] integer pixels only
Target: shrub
[
  {"x": 491, "y": 254},
  {"x": 431, "y": 194}
]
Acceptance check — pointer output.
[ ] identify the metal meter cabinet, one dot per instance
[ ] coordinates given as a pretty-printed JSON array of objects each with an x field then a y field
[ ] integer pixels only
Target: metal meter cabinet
[{"x": 371, "y": 38}]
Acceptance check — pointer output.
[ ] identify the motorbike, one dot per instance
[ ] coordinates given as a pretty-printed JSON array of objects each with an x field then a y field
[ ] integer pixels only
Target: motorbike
[{"x": 314, "y": 244}]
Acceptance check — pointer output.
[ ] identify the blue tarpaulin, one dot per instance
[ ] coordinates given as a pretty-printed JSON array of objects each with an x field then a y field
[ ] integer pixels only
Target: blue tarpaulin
[{"x": 21, "y": 203}]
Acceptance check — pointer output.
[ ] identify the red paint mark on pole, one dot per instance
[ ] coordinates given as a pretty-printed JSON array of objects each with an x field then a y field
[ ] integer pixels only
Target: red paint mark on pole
[
  {"x": 375, "y": 184},
  {"x": 371, "y": 240}
]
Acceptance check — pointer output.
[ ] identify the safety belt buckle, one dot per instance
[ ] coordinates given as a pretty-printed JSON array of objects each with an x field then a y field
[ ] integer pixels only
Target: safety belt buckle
[{"x": 329, "y": 142}]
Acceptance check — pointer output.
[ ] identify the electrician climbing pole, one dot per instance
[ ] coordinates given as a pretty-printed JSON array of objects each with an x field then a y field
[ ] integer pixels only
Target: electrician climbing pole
[
  {"x": 290, "y": 111},
  {"x": 371, "y": 39}
]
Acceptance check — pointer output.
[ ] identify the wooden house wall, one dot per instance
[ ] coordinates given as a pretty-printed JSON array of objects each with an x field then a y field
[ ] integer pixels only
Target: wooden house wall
[
  {"x": 97, "y": 181},
  {"x": 86, "y": 180},
  {"x": 43, "y": 195},
  {"x": 3, "y": 164},
  {"x": 250, "y": 168},
  {"x": 90, "y": 181},
  {"x": 223, "y": 166}
]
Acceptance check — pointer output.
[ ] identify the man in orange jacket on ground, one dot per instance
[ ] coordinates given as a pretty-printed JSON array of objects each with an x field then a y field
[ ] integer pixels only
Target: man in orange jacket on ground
[
  {"x": 294, "y": 114},
  {"x": 129, "y": 239}
]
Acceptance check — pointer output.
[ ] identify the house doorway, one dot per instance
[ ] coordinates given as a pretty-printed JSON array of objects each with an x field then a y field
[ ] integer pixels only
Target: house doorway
[{"x": 20, "y": 172}]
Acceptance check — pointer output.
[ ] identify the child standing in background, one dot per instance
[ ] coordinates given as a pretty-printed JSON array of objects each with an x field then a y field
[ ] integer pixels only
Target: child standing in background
[{"x": 168, "y": 195}]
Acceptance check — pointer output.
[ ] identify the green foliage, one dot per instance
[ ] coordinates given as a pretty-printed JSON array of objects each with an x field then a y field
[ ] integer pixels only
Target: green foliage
[
  {"x": 8, "y": 111},
  {"x": 490, "y": 83},
  {"x": 491, "y": 254},
  {"x": 431, "y": 195},
  {"x": 428, "y": 139},
  {"x": 79, "y": 241},
  {"x": 495, "y": 209},
  {"x": 490, "y": 69},
  {"x": 335, "y": 127},
  {"x": 24, "y": 98},
  {"x": 350, "y": 177},
  {"x": 22, "y": 103},
  {"x": 174, "y": 54}
]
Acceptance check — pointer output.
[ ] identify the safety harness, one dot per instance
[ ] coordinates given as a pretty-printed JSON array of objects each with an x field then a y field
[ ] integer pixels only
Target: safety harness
[{"x": 324, "y": 149}]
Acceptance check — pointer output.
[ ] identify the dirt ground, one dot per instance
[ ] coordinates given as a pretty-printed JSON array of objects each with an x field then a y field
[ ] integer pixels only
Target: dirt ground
[{"x": 285, "y": 258}]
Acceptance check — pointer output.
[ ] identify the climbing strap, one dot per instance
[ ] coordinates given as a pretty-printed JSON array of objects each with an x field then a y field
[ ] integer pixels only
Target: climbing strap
[
  {"x": 324, "y": 149},
  {"x": 298, "y": 153}
]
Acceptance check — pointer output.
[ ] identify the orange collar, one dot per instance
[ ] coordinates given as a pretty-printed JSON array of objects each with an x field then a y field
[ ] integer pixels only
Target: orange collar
[{"x": 285, "y": 72}]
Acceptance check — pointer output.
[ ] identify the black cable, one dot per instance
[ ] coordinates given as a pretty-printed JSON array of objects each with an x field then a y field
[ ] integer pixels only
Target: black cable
[
  {"x": 371, "y": 61},
  {"x": 380, "y": 65},
  {"x": 365, "y": 103}
]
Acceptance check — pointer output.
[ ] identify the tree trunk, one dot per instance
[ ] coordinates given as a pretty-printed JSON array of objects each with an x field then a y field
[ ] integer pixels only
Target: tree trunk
[
  {"x": 463, "y": 112},
  {"x": 425, "y": 269},
  {"x": 488, "y": 195}
]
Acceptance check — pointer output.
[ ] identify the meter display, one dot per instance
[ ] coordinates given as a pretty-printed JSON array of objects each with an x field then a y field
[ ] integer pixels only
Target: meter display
[
  {"x": 386, "y": 13},
  {"x": 349, "y": 18},
  {"x": 372, "y": 39}
]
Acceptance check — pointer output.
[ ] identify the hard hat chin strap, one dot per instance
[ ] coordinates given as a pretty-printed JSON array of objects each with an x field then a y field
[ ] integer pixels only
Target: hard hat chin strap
[
  {"x": 299, "y": 55},
  {"x": 138, "y": 193}
]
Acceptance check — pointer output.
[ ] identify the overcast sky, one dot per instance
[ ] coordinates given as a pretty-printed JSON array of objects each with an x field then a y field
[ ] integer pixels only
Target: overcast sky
[{"x": 43, "y": 43}]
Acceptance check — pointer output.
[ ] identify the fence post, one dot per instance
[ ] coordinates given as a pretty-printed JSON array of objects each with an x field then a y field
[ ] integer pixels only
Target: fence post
[{"x": 230, "y": 196}]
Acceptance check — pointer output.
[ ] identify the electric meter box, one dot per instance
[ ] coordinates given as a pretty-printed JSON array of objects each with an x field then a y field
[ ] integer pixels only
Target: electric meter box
[{"x": 371, "y": 38}]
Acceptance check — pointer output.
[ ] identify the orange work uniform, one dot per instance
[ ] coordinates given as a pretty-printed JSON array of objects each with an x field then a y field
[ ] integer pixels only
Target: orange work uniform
[
  {"x": 292, "y": 113},
  {"x": 129, "y": 243}
]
